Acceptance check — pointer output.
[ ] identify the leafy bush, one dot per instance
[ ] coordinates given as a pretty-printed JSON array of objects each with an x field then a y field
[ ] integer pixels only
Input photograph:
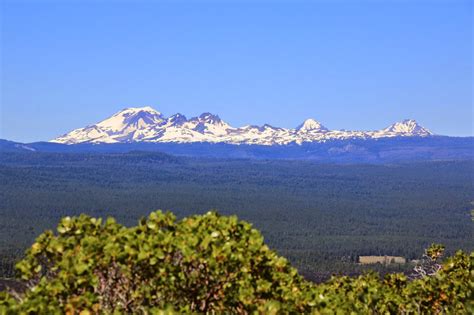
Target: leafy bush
[{"x": 206, "y": 263}]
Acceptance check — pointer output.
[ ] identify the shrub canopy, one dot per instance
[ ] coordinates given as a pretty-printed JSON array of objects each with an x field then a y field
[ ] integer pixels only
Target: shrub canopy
[{"x": 207, "y": 264}]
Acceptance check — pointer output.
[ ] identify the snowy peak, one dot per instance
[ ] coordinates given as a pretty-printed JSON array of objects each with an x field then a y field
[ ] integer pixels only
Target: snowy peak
[
  {"x": 132, "y": 110},
  {"x": 209, "y": 118},
  {"x": 131, "y": 118},
  {"x": 145, "y": 124},
  {"x": 209, "y": 124},
  {"x": 177, "y": 120},
  {"x": 408, "y": 127},
  {"x": 128, "y": 125},
  {"x": 311, "y": 125}
]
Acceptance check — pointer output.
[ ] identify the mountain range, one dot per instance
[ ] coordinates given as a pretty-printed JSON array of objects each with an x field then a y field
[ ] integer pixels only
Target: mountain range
[{"x": 145, "y": 124}]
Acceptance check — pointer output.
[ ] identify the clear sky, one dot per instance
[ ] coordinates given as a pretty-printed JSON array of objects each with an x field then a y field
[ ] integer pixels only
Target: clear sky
[{"x": 348, "y": 64}]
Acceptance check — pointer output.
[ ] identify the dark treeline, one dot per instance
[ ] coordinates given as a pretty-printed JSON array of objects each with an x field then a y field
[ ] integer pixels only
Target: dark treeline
[{"x": 320, "y": 216}]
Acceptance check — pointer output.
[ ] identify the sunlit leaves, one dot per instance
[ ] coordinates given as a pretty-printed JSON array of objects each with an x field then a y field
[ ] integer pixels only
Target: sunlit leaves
[{"x": 208, "y": 263}]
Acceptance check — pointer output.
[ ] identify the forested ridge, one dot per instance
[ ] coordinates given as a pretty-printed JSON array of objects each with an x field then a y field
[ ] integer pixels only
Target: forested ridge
[{"x": 320, "y": 216}]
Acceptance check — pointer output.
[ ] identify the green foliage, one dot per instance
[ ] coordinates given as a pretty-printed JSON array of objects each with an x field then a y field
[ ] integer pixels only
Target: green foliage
[
  {"x": 207, "y": 263},
  {"x": 449, "y": 291}
]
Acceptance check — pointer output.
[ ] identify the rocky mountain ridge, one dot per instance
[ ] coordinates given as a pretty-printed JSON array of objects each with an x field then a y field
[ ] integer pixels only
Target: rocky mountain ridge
[{"x": 145, "y": 124}]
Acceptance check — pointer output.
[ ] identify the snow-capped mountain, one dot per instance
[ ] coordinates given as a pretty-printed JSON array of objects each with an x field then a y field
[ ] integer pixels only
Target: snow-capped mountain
[
  {"x": 408, "y": 127},
  {"x": 146, "y": 124},
  {"x": 311, "y": 125},
  {"x": 128, "y": 125}
]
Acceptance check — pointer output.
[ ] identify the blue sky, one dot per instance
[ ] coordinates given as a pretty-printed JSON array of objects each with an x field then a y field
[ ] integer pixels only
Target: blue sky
[{"x": 352, "y": 65}]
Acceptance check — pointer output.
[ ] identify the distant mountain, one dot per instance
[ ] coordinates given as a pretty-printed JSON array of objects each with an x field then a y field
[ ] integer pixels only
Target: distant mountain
[
  {"x": 10, "y": 146},
  {"x": 146, "y": 124},
  {"x": 352, "y": 151}
]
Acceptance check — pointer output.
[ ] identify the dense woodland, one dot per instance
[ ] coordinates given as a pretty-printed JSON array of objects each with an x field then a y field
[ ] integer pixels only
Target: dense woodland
[{"x": 319, "y": 216}]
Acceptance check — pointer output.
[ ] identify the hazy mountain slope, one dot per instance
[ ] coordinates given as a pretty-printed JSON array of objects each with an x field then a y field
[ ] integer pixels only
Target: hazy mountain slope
[{"x": 380, "y": 150}]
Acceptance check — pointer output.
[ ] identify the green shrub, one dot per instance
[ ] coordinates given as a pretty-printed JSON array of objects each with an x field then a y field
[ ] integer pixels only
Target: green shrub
[{"x": 206, "y": 264}]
